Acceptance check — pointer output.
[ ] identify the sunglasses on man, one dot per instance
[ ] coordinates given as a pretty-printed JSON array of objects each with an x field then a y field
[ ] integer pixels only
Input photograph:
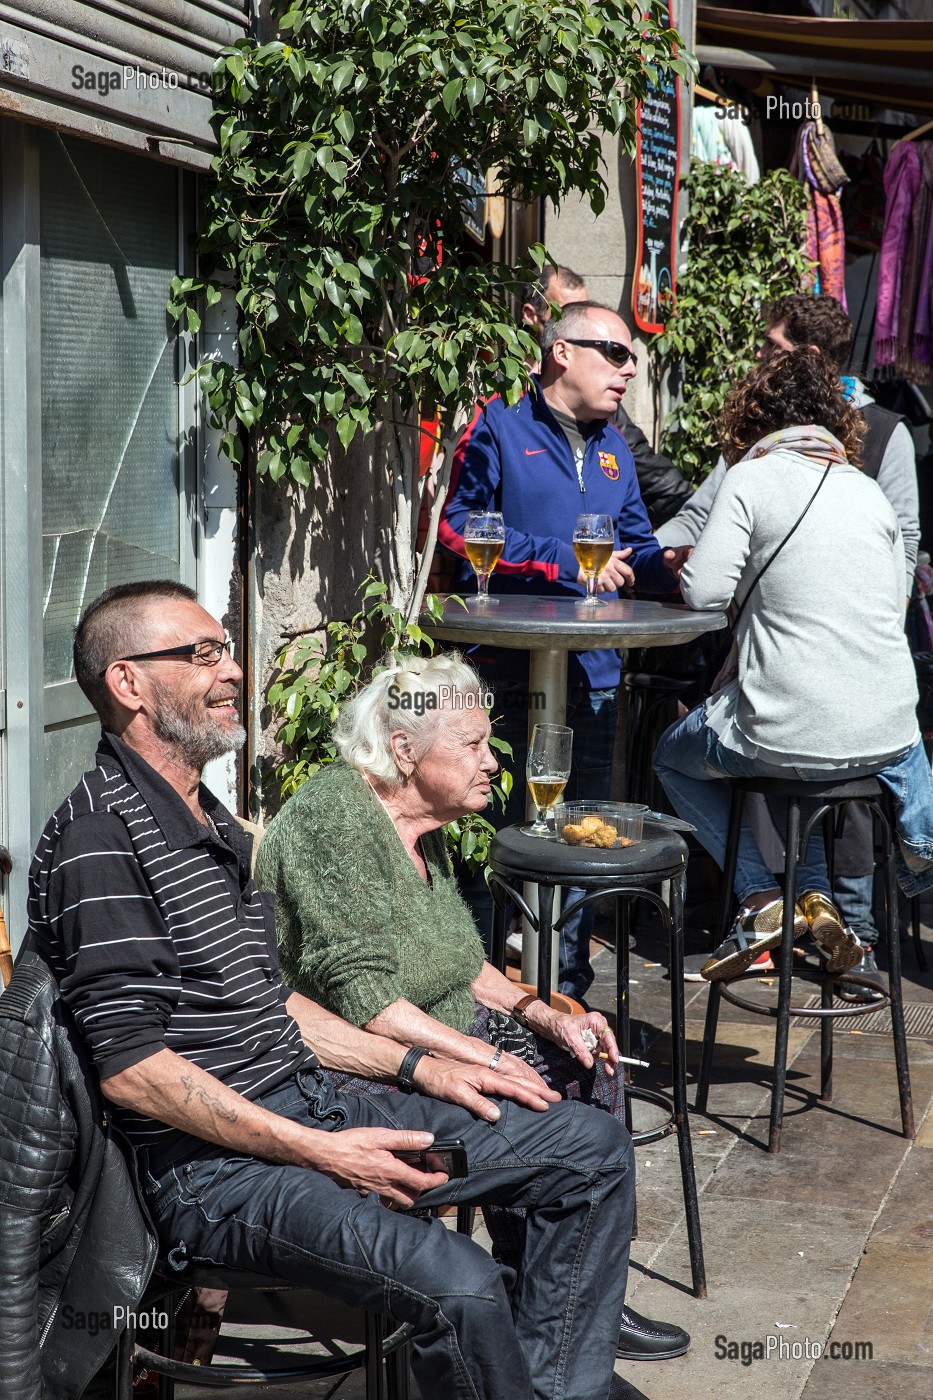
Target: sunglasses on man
[
  {"x": 206, "y": 653},
  {"x": 615, "y": 352}
]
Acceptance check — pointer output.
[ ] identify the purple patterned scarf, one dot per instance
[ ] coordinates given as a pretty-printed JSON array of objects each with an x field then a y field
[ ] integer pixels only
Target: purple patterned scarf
[
  {"x": 922, "y": 346},
  {"x": 901, "y": 184}
]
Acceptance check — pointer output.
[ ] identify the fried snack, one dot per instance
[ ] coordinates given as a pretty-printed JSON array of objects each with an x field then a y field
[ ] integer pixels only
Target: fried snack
[
  {"x": 626, "y": 841},
  {"x": 604, "y": 837},
  {"x": 591, "y": 823},
  {"x": 573, "y": 835}
]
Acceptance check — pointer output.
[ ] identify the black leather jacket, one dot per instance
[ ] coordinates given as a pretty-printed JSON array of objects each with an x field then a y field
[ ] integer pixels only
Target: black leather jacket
[
  {"x": 662, "y": 487},
  {"x": 74, "y": 1240}
]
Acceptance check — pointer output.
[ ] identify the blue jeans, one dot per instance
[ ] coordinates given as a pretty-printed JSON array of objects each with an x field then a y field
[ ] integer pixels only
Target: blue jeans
[
  {"x": 571, "y": 1166},
  {"x": 911, "y": 783},
  {"x": 854, "y": 876},
  {"x": 690, "y": 761},
  {"x": 854, "y": 896}
]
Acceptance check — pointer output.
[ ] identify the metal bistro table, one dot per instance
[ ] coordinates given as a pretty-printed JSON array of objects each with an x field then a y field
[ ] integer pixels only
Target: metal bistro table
[{"x": 550, "y": 628}]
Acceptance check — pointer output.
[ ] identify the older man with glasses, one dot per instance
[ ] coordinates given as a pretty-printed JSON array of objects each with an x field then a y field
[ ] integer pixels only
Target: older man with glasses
[{"x": 553, "y": 456}]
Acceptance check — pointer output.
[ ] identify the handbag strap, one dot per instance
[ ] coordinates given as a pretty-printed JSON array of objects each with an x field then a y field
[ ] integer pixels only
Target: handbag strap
[{"x": 765, "y": 567}]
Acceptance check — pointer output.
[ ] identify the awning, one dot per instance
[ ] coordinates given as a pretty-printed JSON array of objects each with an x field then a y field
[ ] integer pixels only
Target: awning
[{"x": 886, "y": 62}]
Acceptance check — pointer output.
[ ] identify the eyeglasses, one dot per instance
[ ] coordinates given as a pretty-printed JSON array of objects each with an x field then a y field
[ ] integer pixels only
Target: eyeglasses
[
  {"x": 202, "y": 654},
  {"x": 615, "y": 352}
]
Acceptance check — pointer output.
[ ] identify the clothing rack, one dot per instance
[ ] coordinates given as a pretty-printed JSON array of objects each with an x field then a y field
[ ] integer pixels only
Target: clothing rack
[
  {"x": 699, "y": 91},
  {"x": 912, "y": 135}
]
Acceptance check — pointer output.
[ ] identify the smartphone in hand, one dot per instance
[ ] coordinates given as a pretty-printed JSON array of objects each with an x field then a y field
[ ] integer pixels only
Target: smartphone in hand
[{"x": 448, "y": 1155}]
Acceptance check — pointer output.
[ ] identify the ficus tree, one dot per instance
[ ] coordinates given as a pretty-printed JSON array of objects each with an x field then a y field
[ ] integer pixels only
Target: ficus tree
[{"x": 350, "y": 147}]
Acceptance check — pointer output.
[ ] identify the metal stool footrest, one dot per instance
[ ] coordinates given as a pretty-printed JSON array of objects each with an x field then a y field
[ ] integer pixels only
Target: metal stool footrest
[
  {"x": 664, "y": 1101},
  {"x": 854, "y": 1008},
  {"x": 219, "y": 1375}
]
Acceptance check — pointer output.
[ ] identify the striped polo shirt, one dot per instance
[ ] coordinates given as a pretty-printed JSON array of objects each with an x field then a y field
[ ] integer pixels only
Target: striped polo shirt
[{"x": 158, "y": 936}]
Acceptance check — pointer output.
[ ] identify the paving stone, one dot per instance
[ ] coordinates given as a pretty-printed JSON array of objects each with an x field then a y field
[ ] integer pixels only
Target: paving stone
[
  {"x": 732, "y": 1314},
  {"x": 924, "y": 1136},
  {"x": 890, "y": 1304},
  {"x": 868, "y": 1380}
]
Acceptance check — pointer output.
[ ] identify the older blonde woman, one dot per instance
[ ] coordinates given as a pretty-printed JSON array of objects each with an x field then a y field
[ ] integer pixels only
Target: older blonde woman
[{"x": 371, "y": 924}]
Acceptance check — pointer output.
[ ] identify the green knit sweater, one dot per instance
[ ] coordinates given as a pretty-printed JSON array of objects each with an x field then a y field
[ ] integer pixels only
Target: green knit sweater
[{"x": 358, "y": 927}]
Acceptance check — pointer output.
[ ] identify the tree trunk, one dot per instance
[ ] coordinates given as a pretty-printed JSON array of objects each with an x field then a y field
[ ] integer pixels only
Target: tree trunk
[{"x": 441, "y": 484}]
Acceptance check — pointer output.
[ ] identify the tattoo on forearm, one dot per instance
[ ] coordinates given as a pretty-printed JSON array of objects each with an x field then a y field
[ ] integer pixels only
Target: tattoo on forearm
[{"x": 207, "y": 1099}]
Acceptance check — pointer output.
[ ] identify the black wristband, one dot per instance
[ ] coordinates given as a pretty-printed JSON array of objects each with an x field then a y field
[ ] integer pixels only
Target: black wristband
[{"x": 405, "y": 1074}]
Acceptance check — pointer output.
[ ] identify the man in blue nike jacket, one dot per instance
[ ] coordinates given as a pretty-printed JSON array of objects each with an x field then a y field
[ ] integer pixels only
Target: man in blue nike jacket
[{"x": 542, "y": 463}]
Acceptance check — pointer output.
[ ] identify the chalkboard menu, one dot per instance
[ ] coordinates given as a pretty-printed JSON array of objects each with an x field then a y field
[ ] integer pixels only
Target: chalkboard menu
[{"x": 657, "y": 166}]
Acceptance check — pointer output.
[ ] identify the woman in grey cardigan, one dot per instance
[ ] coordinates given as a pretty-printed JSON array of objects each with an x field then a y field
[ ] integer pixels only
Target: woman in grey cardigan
[{"x": 814, "y": 633}]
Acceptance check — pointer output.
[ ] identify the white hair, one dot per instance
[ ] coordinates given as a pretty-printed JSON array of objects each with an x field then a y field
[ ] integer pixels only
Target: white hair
[{"x": 414, "y": 696}]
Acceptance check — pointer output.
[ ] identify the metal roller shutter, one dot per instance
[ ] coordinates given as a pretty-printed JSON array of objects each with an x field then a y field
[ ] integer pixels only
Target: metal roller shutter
[{"x": 134, "y": 75}]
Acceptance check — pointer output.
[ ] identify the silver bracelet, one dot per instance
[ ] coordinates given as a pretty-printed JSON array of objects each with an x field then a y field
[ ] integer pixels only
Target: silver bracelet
[{"x": 496, "y": 1058}]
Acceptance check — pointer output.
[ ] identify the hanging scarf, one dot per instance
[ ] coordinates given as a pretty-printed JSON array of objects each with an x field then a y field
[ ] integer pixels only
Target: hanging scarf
[
  {"x": 901, "y": 184},
  {"x": 810, "y": 440},
  {"x": 816, "y": 165},
  {"x": 922, "y": 346},
  {"x": 911, "y": 277}
]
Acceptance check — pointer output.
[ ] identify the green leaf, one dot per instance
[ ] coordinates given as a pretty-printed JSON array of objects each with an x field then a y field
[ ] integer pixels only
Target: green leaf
[
  {"x": 474, "y": 91},
  {"x": 345, "y": 125},
  {"x": 356, "y": 381},
  {"x": 342, "y": 75},
  {"x": 451, "y": 94},
  {"x": 300, "y": 470},
  {"x": 302, "y": 161},
  {"x": 346, "y": 430}
]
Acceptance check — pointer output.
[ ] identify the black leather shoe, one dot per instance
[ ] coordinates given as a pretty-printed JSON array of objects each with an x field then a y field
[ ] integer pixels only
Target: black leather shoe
[{"x": 640, "y": 1339}]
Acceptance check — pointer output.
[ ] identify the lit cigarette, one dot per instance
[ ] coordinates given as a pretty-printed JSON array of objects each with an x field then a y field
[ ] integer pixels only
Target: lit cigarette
[{"x": 625, "y": 1060}]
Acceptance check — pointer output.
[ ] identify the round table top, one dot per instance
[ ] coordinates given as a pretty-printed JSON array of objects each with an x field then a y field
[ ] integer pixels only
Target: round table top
[
  {"x": 535, "y": 623},
  {"x": 516, "y": 855}
]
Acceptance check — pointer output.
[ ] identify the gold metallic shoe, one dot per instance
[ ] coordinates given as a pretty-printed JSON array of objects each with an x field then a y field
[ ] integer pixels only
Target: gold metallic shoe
[
  {"x": 753, "y": 932},
  {"x": 835, "y": 943}
]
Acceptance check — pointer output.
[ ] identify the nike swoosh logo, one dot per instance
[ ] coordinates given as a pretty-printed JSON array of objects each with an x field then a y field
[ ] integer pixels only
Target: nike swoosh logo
[{"x": 529, "y": 452}]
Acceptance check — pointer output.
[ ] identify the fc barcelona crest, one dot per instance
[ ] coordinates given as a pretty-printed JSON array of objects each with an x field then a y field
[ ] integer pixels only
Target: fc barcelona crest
[{"x": 609, "y": 465}]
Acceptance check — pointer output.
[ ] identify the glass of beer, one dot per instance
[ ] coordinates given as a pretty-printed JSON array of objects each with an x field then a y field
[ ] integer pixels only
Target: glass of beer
[
  {"x": 593, "y": 543},
  {"x": 547, "y": 771},
  {"x": 484, "y": 541}
]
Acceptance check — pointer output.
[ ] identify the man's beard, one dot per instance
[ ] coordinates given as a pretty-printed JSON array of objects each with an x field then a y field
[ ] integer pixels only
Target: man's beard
[{"x": 194, "y": 736}]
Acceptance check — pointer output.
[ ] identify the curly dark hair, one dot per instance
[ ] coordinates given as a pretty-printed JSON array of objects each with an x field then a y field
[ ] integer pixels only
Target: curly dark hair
[
  {"x": 790, "y": 388},
  {"x": 815, "y": 320}
]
